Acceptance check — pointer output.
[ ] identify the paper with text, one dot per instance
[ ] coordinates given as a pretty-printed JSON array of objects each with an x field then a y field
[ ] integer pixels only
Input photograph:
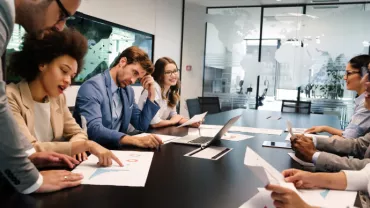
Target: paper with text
[
  {"x": 253, "y": 159},
  {"x": 194, "y": 119},
  {"x": 328, "y": 198},
  {"x": 256, "y": 130},
  {"x": 134, "y": 172},
  {"x": 165, "y": 138},
  {"x": 236, "y": 137}
]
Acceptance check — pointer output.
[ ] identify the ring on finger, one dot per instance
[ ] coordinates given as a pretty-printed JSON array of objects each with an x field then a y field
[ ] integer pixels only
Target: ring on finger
[{"x": 65, "y": 178}]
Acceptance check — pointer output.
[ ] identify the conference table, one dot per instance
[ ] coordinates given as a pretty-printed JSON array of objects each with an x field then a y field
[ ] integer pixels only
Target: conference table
[{"x": 178, "y": 181}]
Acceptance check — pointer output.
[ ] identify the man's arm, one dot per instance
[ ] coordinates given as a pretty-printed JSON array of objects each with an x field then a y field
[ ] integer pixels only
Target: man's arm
[
  {"x": 355, "y": 147},
  {"x": 334, "y": 163},
  {"x": 88, "y": 104},
  {"x": 14, "y": 162},
  {"x": 140, "y": 119},
  {"x": 358, "y": 180}
]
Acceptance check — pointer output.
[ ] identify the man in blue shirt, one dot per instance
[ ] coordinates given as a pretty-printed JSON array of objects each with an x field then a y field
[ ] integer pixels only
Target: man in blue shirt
[{"x": 107, "y": 101}]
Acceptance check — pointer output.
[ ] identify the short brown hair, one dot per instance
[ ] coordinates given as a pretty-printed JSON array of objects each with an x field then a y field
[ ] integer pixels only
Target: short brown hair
[
  {"x": 158, "y": 76},
  {"x": 134, "y": 54},
  {"x": 35, "y": 51}
]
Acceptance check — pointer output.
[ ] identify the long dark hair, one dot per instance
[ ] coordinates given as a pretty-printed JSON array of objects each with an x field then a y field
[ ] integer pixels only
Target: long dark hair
[
  {"x": 158, "y": 75},
  {"x": 359, "y": 61}
]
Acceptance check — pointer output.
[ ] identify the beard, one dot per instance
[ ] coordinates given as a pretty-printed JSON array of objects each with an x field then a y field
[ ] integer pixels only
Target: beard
[{"x": 120, "y": 80}]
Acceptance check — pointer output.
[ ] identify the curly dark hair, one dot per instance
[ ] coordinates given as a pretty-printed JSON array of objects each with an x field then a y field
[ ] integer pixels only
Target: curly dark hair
[
  {"x": 35, "y": 51},
  {"x": 158, "y": 76}
]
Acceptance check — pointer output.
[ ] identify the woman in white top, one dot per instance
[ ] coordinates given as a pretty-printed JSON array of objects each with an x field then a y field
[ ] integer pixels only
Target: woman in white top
[
  {"x": 345, "y": 180},
  {"x": 47, "y": 67},
  {"x": 166, "y": 75}
]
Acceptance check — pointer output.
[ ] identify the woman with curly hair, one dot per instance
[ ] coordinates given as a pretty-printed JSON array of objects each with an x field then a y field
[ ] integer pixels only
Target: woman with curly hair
[
  {"x": 47, "y": 67},
  {"x": 167, "y": 85}
]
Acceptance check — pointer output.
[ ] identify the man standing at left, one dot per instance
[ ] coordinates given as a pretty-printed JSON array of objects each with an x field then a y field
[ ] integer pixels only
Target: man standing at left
[{"x": 37, "y": 17}]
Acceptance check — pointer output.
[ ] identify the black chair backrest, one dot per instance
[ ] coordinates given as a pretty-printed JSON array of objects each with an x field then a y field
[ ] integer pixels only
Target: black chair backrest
[
  {"x": 209, "y": 104},
  {"x": 193, "y": 107},
  {"x": 293, "y": 106}
]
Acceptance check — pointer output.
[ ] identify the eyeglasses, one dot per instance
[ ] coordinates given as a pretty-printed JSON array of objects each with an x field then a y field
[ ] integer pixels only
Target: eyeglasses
[
  {"x": 64, "y": 14},
  {"x": 171, "y": 72},
  {"x": 347, "y": 73}
]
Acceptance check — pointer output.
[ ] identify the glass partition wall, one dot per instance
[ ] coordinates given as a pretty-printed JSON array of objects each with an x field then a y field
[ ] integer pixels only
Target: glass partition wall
[{"x": 296, "y": 50}]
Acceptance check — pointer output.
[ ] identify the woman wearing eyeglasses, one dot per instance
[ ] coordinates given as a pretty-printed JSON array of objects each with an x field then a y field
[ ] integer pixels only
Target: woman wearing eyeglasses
[
  {"x": 360, "y": 121},
  {"x": 166, "y": 76}
]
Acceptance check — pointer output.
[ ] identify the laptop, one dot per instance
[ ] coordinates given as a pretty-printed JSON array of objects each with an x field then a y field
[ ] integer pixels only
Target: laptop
[{"x": 204, "y": 142}]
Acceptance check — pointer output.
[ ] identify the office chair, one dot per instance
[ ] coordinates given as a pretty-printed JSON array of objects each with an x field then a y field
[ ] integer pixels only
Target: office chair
[
  {"x": 241, "y": 87},
  {"x": 209, "y": 104},
  {"x": 193, "y": 107},
  {"x": 263, "y": 96},
  {"x": 293, "y": 106}
]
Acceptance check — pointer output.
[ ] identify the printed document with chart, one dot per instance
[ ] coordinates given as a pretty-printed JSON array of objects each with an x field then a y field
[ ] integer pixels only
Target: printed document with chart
[
  {"x": 133, "y": 173},
  {"x": 269, "y": 175}
]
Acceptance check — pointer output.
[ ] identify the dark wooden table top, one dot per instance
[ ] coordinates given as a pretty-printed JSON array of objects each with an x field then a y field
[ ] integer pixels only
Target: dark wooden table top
[{"x": 178, "y": 181}]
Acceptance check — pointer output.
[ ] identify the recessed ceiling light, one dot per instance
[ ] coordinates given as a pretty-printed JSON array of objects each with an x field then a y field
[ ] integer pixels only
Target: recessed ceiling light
[{"x": 278, "y": 0}]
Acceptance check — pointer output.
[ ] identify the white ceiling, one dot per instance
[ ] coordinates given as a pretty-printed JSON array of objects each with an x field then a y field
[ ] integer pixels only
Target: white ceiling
[{"x": 215, "y": 3}]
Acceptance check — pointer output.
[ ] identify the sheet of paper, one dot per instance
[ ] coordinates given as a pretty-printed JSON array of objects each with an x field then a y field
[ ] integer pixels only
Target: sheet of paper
[
  {"x": 211, "y": 153},
  {"x": 193, "y": 131},
  {"x": 287, "y": 138},
  {"x": 165, "y": 138},
  {"x": 194, "y": 119},
  {"x": 256, "y": 130},
  {"x": 307, "y": 164},
  {"x": 236, "y": 137},
  {"x": 297, "y": 130},
  {"x": 313, "y": 197},
  {"x": 289, "y": 127},
  {"x": 253, "y": 159},
  {"x": 206, "y": 126},
  {"x": 134, "y": 172},
  {"x": 328, "y": 198},
  {"x": 208, "y": 132},
  {"x": 211, "y": 132},
  {"x": 261, "y": 200}
]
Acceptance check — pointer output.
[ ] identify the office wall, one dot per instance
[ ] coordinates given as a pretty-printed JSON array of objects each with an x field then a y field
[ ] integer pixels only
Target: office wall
[
  {"x": 162, "y": 18},
  {"x": 193, "y": 53}
]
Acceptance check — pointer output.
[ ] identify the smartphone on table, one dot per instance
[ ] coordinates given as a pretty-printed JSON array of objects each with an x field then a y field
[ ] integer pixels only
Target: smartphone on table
[{"x": 284, "y": 145}]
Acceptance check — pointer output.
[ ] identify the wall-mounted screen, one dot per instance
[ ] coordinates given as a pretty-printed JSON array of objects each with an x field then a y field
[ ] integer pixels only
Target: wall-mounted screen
[{"x": 106, "y": 41}]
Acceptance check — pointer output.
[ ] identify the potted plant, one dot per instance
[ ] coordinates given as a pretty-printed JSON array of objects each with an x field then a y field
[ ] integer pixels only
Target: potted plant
[{"x": 329, "y": 80}]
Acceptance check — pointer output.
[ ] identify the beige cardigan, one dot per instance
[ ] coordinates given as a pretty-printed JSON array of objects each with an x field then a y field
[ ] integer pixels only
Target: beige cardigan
[{"x": 63, "y": 124}]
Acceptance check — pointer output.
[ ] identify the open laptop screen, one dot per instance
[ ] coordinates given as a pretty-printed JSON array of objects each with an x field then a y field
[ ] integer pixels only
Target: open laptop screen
[{"x": 222, "y": 131}]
